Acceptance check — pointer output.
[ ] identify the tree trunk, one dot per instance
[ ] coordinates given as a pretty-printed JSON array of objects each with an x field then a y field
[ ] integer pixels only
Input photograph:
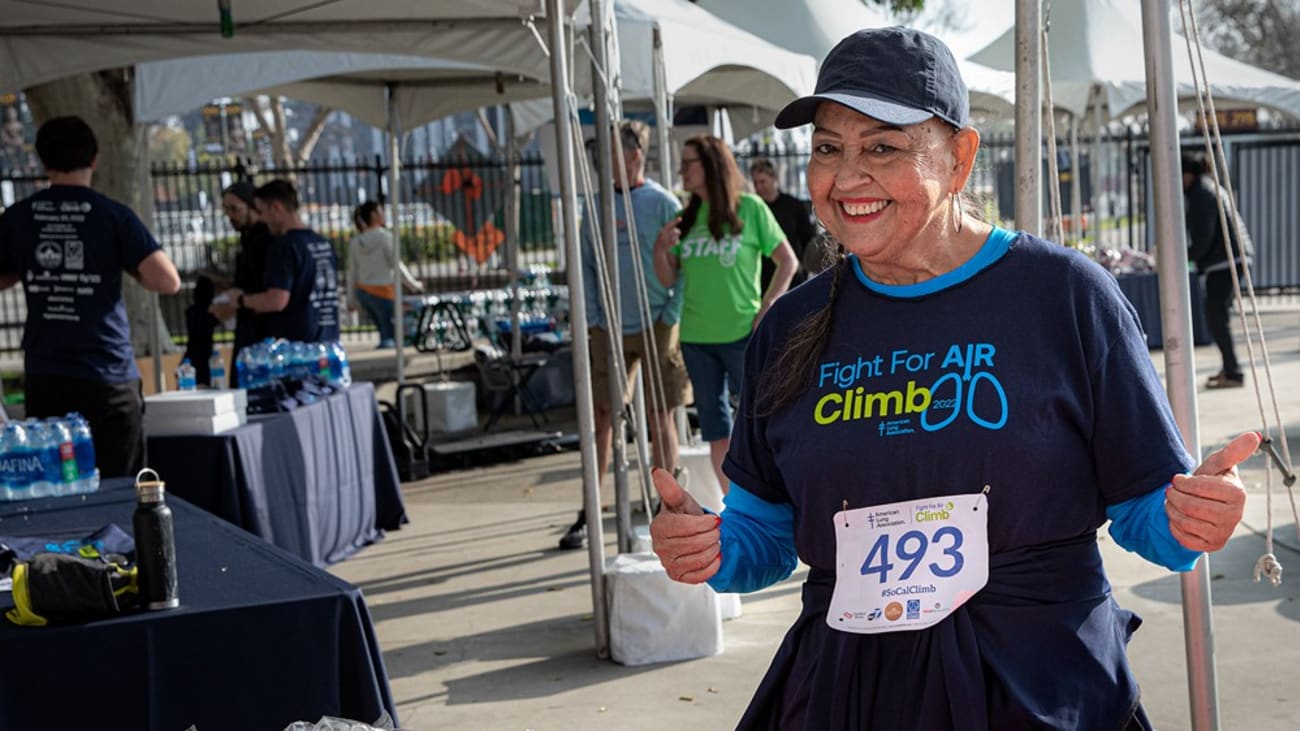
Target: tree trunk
[{"x": 103, "y": 100}]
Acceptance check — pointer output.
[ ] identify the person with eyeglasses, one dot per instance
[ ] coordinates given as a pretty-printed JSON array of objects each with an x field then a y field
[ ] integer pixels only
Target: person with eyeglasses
[
  {"x": 250, "y": 270},
  {"x": 938, "y": 426},
  {"x": 713, "y": 251}
]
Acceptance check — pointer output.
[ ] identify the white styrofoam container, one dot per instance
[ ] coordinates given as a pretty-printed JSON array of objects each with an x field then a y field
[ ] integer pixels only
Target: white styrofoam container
[
  {"x": 170, "y": 426},
  {"x": 197, "y": 403},
  {"x": 452, "y": 407},
  {"x": 655, "y": 619}
]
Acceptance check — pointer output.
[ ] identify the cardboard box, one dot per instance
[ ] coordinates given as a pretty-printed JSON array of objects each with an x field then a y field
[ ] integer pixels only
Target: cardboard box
[
  {"x": 171, "y": 426},
  {"x": 206, "y": 402}
]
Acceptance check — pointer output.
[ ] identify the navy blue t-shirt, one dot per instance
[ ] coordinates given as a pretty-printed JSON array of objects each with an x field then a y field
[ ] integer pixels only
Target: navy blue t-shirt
[
  {"x": 303, "y": 262},
  {"x": 70, "y": 245},
  {"x": 1025, "y": 370}
]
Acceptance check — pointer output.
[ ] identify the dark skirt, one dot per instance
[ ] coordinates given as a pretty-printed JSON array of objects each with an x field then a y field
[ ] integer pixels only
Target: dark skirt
[{"x": 1042, "y": 646}]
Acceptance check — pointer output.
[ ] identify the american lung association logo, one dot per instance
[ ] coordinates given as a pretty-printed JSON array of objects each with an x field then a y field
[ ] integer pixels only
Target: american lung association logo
[{"x": 49, "y": 254}]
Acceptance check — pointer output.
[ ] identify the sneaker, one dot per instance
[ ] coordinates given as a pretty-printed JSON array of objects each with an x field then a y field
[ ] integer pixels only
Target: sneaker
[
  {"x": 575, "y": 536},
  {"x": 1223, "y": 380}
]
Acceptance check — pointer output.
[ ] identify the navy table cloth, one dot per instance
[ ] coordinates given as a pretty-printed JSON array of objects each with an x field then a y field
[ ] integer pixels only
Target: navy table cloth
[
  {"x": 261, "y": 639},
  {"x": 319, "y": 481}
]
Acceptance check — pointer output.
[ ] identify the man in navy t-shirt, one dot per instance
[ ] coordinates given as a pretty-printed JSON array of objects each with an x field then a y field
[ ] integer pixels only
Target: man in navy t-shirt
[
  {"x": 301, "y": 301},
  {"x": 69, "y": 246}
]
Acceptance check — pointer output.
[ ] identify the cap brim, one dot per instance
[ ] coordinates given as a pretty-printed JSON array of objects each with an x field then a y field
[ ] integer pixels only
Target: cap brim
[{"x": 802, "y": 111}]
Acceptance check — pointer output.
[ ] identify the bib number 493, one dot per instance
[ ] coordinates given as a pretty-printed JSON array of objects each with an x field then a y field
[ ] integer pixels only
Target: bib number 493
[{"x": 912, "y": 547}]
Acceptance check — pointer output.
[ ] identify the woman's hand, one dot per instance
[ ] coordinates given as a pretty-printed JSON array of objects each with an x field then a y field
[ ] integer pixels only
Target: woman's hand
[
  {"x": 666, "y": 264},
  {"x": 686, "y": 539},
  {"x": 1205, "y": 507},
  {"x": 668, "y": 236}
]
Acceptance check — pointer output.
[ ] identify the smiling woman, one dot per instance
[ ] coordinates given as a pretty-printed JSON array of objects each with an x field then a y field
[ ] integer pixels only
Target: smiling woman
[{"x": 937, "y": 427}]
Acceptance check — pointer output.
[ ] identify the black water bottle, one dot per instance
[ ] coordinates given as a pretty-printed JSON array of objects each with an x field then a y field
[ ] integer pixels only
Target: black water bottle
[{"x": 155, "y": 545}]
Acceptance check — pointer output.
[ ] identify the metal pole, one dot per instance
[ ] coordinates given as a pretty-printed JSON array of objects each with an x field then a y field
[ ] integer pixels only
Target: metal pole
[
  {"x": 1076, "y": 182},
  {"x": 609, "y": 235},
  {"x": 1029, "y": 118},
  {"x": 1176, "y": 319},
  {"x": 639, "y": 417},
  {"x": 512, "y": 228},
  {"x": 663, "y": 119},
  {"x": 1096, "y": 168},
  {"x": 155, "y": 343},
  {"x": 560, "y": 95},
  {"x": 394, "y": 160}
]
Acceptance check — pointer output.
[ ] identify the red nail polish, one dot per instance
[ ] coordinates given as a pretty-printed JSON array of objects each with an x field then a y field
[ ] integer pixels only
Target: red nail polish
[{"x": 717, "y": 521}]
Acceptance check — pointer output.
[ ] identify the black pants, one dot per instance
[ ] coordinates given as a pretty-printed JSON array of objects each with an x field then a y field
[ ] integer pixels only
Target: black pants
[
  {"x": 1218, "y": 305},
  {"x": 115, "y": 412},
  {"x": 199, "y": 326}
]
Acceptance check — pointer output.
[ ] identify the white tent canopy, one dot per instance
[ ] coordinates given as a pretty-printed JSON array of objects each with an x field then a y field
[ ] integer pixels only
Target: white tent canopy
[
  {"x": 1096, "y": 48},
  {"x": 706, "y": 59},
  {"x": 42, "y": 42},
  {"x": 814, "y": 27},
  {"x": 425, "y": 89}
]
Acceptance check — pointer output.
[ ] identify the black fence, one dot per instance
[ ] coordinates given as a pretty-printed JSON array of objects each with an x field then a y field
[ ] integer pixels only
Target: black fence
[
  {"x": 452, "y": 229},
  {"x": 1115, "y": 192}
]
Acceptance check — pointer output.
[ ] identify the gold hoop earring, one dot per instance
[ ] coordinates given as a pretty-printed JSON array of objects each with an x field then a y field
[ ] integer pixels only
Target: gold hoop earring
[{"x": 958, "y": 215}]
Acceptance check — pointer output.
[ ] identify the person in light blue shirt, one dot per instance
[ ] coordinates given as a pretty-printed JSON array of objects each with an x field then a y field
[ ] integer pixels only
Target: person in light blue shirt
[{"x": 652, "y": 207}]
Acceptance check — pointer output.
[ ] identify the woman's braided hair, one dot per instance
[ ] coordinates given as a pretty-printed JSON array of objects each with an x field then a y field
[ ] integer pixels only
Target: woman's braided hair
[{"x": 786, "y": 377}]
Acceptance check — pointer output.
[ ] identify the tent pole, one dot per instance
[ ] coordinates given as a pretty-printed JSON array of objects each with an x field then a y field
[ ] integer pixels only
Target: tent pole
[
  {"x": 609, "y": 236},
  {"x": 394, "y": 203},
  {"x": 560, "y": 96},
  {"x": 1095, "y": 167},
  {"x": 1029, "y": 118},
  {"x": 155, "y": 343},
  {"x": 1076, "y": 182},
  {"x": 663, "y": 120},
  {"x": 1176, "y": 319},
  {"x": 512, "y": 228}
]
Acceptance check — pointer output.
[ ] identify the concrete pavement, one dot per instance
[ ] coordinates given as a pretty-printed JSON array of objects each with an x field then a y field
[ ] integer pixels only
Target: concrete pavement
[{"x": 485, "y": 625}]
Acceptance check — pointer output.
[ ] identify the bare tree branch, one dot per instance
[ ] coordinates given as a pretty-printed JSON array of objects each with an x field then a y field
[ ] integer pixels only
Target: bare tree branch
[{"x": 313, "y": 133}]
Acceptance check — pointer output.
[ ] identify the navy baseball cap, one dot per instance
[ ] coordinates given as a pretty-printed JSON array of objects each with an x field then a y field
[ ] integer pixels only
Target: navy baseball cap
[{"x": 896, "y": 75}]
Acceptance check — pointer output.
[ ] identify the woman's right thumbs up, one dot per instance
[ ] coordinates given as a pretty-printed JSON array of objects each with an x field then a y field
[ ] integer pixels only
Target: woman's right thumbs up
[{"x": 685, "y": 538}]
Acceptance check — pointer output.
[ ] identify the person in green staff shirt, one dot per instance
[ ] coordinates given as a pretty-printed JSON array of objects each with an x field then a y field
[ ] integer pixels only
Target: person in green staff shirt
[{"x": 716, "y": 248}]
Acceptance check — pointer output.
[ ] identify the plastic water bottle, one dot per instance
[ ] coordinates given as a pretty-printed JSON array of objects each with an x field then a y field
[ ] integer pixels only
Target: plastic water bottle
[
  {"x": 83, "y": 447},
  {"x": 217, "y": 370},
  {"x": 278, "y": 358},
  {"x": 42, "y": 444},
  {"x": 322, "y": 355},
  {"x": 186, "y": 380},
  {"x": 19, "y": 466},
  {"x": 67, "y": 473},
  {"x": 300, "y": 361},
  {"x": 244, "y": 368},
  {"x": 340, "y": 371},
  {"x": 261, "y": 365}
]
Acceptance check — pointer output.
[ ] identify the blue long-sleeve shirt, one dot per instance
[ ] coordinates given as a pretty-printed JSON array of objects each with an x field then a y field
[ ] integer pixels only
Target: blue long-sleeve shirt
[{"x": 758, "y": 538}]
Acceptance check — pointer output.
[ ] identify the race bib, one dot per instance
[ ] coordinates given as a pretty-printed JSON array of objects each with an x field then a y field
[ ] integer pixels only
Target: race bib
[{"x": 906, "y": 566}]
